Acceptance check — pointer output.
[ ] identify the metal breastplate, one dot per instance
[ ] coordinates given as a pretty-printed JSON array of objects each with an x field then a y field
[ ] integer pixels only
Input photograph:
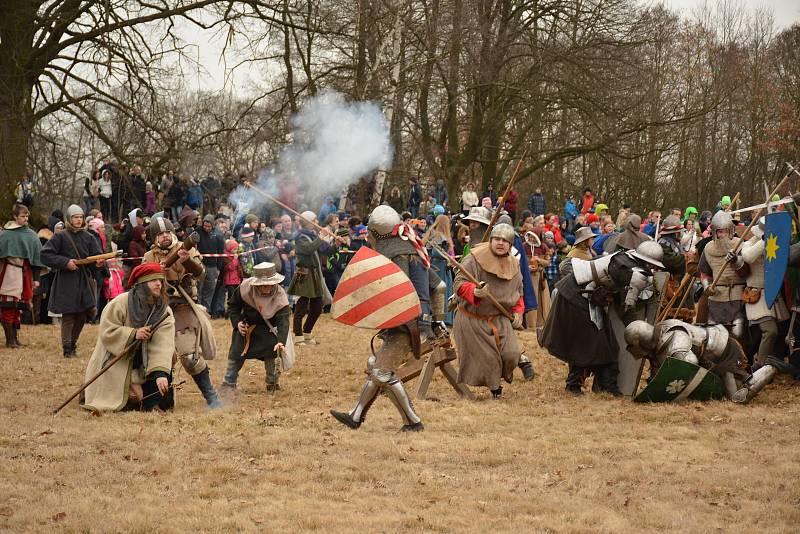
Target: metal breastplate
[{"x": 708, "y": 339}]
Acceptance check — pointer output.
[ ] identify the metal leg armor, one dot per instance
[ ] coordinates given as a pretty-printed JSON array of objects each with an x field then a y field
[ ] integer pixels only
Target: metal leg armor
[
  {"x": 739, "y": 327},
  {"x": 356, "y": 416},
  {"x": 754, "y": 384},
  {"x": 397, "y": 393},
  {"x": 526, "y": 366}
]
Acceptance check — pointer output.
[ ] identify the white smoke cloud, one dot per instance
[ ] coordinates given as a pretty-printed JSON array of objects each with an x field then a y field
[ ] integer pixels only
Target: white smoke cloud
[{"x": 334, "y": 144}]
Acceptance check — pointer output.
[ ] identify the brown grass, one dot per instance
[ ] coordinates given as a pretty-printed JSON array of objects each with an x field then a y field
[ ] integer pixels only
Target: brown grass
[{"x": 536, "y": 460}]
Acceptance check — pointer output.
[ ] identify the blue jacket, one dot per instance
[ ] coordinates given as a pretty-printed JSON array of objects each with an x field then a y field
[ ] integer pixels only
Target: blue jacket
[{"x": 571, "y": 210}]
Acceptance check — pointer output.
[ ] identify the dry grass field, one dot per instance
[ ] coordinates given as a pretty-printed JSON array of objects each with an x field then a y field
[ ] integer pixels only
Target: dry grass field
[{"x": 535, "y": 461}]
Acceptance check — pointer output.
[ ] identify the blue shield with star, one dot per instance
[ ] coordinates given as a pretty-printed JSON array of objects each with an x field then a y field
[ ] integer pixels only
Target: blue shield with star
[{"x": 777, "y": 238}]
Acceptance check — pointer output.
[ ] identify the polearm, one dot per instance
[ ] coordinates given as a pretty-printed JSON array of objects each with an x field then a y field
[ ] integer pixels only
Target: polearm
[
  {"x": 266, "y": 195},
  {"x": 109, "y": 365},
  {"x": 683, "y": 300},
  {"x": 753, "y": 222},
  {"x": 455, "y": 264},
  {"x": 510, "y": 186},
  {"x": 668, "y": 307}
]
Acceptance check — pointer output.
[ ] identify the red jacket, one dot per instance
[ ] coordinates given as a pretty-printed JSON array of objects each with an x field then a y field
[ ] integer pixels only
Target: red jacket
[
  {"x": 588, "y": 202},
  {"x": 510, "y": 202}
]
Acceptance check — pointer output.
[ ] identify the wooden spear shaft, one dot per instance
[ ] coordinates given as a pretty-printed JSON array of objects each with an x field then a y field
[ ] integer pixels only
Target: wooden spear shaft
[
  {"x": 757, "y": 216},
  {"x": 668, "y": 307},
  {"x": 683, "y": 300},
  {"x": 510, "y": 186},
  {"x": 472, "y": 279},
  {"x": 284, "y": 206},
  {"x": 108, "y": 366}
]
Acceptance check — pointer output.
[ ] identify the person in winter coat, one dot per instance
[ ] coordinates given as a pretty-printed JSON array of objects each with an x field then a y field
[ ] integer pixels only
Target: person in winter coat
[
  {"x": 510, "y": 205},
  {"x": 587, "y": 201},
  {"x": 74, "y": 290}
]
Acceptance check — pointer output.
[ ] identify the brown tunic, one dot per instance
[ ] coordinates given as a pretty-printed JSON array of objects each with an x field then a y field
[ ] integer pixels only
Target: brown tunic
[{"x": 482, "y": 360}]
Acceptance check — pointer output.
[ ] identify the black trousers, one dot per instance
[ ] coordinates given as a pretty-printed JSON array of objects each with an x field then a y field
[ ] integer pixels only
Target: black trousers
[{"x": 306, "y": 306}]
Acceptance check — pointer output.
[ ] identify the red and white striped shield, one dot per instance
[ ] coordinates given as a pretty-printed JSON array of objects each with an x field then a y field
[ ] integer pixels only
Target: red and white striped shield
[{"x": 374, "y": 293}]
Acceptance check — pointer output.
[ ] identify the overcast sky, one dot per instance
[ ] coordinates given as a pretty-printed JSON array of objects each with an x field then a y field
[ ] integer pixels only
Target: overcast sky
[
  {"x": 786, "y": 12},
  {"x": 209, "y": 49}
]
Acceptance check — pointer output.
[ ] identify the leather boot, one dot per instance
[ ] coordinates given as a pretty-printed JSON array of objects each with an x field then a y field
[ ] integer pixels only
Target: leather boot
[
  {"x": 8, "y": 330},
  {"x": 203, "y": 381},
  {"x": 69, "y": 352},
  {"x": 575, "y": 378},
  {"x": 15, "y": 336}
]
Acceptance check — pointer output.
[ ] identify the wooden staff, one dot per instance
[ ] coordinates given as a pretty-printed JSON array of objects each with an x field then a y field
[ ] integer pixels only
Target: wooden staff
[
  {"x": 109, "y": 365},
  {"x": 472, "y": 279},
  {"x": 266, "y": 195},
  {"x": 663, "y": 315},
  {"x": 509, "y": 187},
  {"x": 683, "y": 300},
  {"x": 753, "y": 222}
]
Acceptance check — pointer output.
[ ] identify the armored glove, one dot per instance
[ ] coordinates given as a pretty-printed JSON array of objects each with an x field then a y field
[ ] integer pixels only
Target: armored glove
[
  {"x": 734, "y": 259},
  {"x": 517, "y": 322},
  {"x": 481, "y": 291}
]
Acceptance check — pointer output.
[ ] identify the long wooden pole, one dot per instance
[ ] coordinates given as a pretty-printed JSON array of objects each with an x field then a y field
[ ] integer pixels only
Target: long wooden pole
[
  {"x": 683, "y": 300},
  {"x": 757, "y": 216},
  {"x": 668, "y": 307},
  {"x": 508, "y": 189},
  {"x": 266, "y": 195},
  {"x": 472, "y": 279},
  {"x": 108, "y": 366}
]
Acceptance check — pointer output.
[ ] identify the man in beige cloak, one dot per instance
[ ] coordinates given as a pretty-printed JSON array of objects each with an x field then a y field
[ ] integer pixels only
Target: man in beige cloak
[
  {"x": 140, "y": 380},
  {"x": 487, "y": 346}
]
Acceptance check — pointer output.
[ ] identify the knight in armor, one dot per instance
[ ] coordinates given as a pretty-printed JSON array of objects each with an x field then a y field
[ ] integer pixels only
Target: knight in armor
[
  {"x": 669, "y": 239},
  {"x": 710, "y": 347},
  {"x": 488, "y": 350},
  {"x": 194, "y": 335},
  {"x": 577, "y": 330},
  {"x": 675, "y": 261},
  {"x": 725, "y": 304},
  {"x": 398, "y": 242},
  {"x": 755, "y": 307}
]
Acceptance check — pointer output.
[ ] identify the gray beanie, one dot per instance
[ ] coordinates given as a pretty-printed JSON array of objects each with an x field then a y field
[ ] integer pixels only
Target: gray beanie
[{"x": 74, "y": 209}]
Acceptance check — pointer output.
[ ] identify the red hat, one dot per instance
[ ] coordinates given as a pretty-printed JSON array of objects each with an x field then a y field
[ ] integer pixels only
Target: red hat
[
  {"x": 592, "y": 218},
  {"x": 144, "y": 273}
]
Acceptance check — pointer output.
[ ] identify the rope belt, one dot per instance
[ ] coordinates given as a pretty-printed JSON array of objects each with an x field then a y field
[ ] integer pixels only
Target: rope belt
[{"x": 488, "y": 318}]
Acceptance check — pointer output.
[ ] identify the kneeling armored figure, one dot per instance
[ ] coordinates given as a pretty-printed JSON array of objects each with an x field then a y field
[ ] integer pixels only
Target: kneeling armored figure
[{"x": 711, "y": 347}]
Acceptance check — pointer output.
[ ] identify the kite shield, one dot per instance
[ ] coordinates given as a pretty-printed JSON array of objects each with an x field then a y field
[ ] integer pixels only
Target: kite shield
[
  {"x": 374, "y": 293},
  {"x": 679, "y": 380}
]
